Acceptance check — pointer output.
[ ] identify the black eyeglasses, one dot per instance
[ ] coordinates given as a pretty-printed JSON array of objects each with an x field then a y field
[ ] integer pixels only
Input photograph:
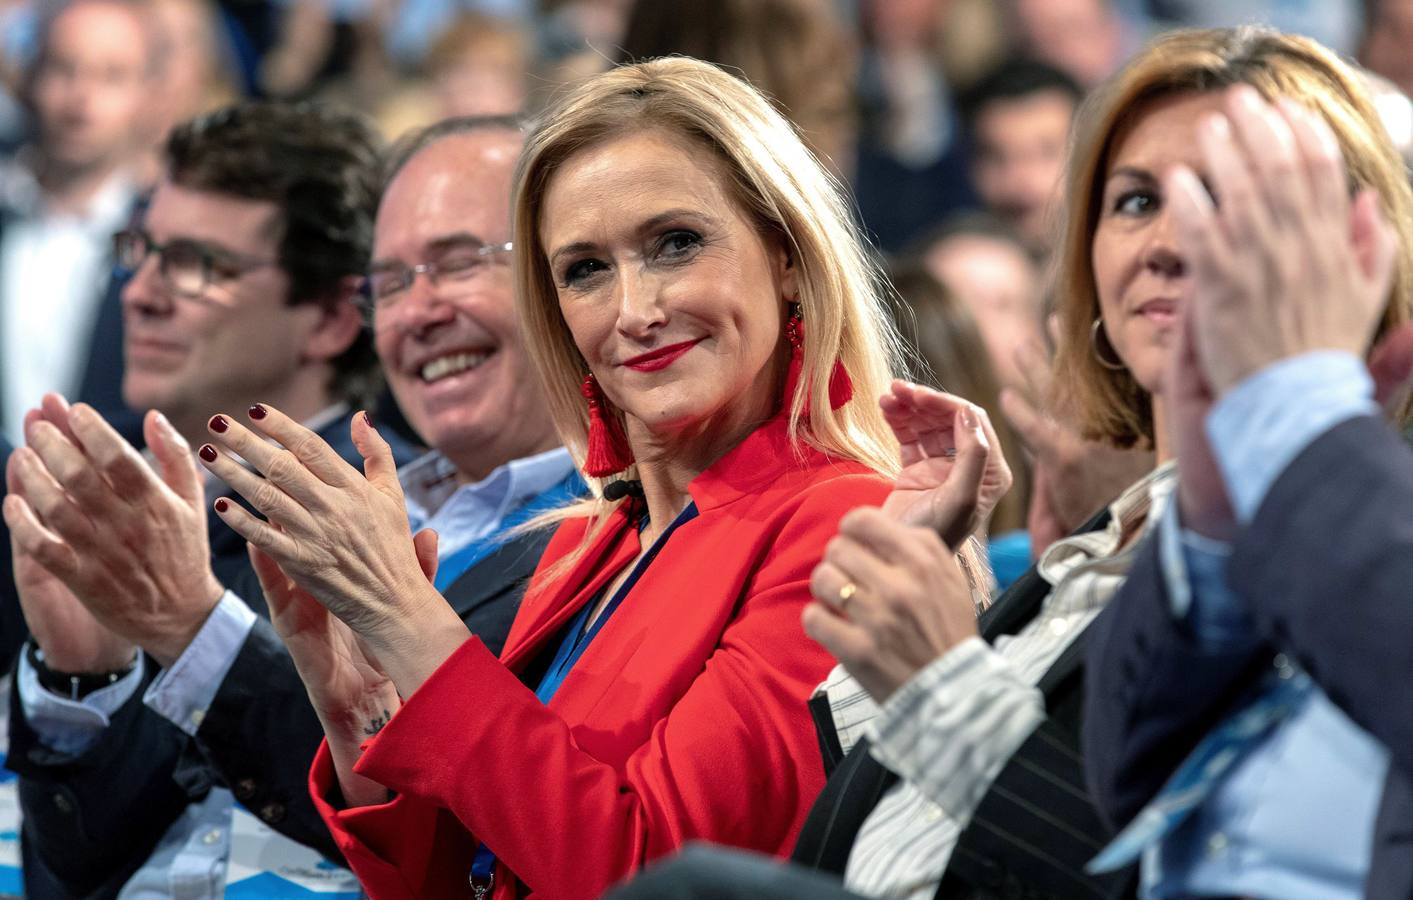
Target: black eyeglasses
[
  {"x": 187, "y": 267},
  {"x": 458, "y": 262}
]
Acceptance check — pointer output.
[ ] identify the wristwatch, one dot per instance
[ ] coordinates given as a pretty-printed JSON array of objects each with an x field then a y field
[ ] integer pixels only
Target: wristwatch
[{"x": 72, "y": 685}]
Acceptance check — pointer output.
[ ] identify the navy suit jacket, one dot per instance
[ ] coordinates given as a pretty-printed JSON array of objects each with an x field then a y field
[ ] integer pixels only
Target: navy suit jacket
[
  {"x": 1325, "y": 568},
  {"x": 90, "y": 821},
  {"x": 12, "y": 623}
]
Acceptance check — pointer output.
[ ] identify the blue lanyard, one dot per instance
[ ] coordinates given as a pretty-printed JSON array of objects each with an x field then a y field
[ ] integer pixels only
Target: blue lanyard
[
  {"x": 576, "y": 640},
  {"x": 458, "y": 563}
]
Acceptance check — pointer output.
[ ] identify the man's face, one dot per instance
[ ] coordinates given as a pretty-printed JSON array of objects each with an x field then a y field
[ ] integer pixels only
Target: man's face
[
  {"x": 91, "y": 87},
  {"x": 452, "y": 350},
  {"x": 236, "y": 342},
  {"x": 1020, "y": 159}
]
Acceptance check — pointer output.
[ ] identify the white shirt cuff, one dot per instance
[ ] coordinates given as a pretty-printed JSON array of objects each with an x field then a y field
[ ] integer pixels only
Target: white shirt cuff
[
  {"x": 182, "y": 693},
  {"x": 71, "y": 726},
  {"x": 952, "y": 728}
]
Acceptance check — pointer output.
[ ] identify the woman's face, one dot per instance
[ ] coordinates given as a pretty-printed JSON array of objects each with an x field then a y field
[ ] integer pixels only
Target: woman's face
[
  {"x": 671, "y": 295},
  {"x": 1139, "y": 272}
]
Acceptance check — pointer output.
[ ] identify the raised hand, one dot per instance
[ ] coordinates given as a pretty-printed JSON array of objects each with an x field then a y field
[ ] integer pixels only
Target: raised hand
[
  {"x": 60, "y": 625},
  {"x": 353, "y": 697},
  {"x": 128, "y": 543},
  {"x": 338, "y": 534},
  {"x": 940, "y": 433},
  {"x": 1202, "y": 498},
  {"x": 1072, "y": 478},
  {"x": 889, "y": 599},
  {"x": 1288, "y": 263}
]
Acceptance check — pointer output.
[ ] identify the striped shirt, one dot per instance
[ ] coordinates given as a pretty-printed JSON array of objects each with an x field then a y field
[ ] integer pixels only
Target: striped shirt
[{"x": 951, "y": 729}]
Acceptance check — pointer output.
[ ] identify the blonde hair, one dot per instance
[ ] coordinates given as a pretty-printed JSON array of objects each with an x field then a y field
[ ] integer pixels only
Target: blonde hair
[
  {"x": 781, "y": 187},
  {"x": 1110, "y": 405}
]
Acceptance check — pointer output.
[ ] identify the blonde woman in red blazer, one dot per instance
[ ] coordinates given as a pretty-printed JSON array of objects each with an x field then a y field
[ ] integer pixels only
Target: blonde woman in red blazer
[{"x": 684, "y": 263}]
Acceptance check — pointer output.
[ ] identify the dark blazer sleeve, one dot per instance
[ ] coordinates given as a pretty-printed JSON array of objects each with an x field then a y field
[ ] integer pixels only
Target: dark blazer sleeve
[
  {"x": 1326, "y": 567},
  {"x": 260, "y": 732},
  {"x": 1151, "y": 691},
  {"x": 90, "y": 821},
  {"x": 12, "y": 621}
]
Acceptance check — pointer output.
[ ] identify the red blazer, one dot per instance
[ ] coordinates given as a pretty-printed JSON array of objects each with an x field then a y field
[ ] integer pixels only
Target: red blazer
[{"x": 684, "y": 719}]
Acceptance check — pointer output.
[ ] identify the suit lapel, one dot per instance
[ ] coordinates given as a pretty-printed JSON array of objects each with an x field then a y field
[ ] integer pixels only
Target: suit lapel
[{"x": 510, "y": 562}]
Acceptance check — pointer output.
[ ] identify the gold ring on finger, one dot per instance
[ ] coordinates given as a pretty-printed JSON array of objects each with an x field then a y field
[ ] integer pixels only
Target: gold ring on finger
[{"x": 846, "y": 593}]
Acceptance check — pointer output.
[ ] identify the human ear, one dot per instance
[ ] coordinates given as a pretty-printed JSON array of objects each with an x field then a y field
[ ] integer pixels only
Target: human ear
[{"x": 336, "y": 326}]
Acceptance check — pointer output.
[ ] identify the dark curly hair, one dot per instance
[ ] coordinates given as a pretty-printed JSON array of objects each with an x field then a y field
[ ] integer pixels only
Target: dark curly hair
[{"x": 320, "y": 166}]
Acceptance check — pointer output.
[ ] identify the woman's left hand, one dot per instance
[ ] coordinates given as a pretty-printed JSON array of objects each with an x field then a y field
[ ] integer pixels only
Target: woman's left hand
[
  {"x": 339, "y": 534},
  {"x": 889, "y": 599},
  {"x": 941, "y": 434}
]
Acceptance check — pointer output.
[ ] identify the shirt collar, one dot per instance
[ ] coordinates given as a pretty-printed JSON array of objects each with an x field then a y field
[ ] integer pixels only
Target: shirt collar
[
  {"x": 430, "y": 481},
  {"x": 1143, "y": 501}
]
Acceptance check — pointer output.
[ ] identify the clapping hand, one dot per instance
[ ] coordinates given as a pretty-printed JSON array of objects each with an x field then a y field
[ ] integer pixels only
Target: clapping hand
[
  {"x": 932, "y": 429},
  {"x": 1072, "y": 478},
  {"x": 126, "y": 541},
  {"x": 339, "y": 535},
  {"x": 1288, "y": 264},
  {"x": 891, "y": 597}
]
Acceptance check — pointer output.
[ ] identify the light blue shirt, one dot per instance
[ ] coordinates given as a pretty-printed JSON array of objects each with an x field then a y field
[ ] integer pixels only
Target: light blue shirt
[
  {"x": 1295, "y": 818},
  {"x": 192, "y": 855}
]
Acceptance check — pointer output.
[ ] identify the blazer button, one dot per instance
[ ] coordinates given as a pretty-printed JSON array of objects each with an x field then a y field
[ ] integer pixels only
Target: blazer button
[
  {"x": 1013, "y": 889},
  {"x": 63, "y": 804},
  {"x": 272, "y": 812},
  {"x": 992, "y": 875},
  {"x": 244, "y": 789}
]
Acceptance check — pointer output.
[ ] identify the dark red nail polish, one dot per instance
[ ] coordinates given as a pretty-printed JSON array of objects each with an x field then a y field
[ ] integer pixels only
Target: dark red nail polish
[
  {"x": 218, "y": 424},
  {"x": 222, "y": 504},
  {"x": 207, "y": 452},
  {"x": 257, "y": 411},
  {"x": 368, "y": 420}
]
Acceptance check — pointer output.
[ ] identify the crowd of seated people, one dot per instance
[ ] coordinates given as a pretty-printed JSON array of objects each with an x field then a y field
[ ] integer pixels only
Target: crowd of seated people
[{"x": 577, "y": 503}]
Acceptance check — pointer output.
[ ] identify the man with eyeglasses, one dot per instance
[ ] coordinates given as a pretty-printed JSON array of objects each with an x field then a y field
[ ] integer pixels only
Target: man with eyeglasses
[
  {"x": 439, "y": 299},
  {"x": 244, "y": 273}
]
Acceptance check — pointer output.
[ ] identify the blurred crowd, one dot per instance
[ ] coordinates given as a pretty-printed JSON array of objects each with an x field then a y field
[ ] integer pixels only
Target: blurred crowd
[{"x": 952, "y": 132}]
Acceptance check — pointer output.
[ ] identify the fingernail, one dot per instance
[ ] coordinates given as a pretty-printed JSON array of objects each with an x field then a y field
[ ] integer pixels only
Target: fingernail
[
  {"x": 368, "y": 420},
  {"x": 257, "y": 411},
  {"x": 222, "y": 504},
  {"x": 218, "y": 424},
  {"x": 207, "y": 452},
  {"x": 968, "y": 417}
]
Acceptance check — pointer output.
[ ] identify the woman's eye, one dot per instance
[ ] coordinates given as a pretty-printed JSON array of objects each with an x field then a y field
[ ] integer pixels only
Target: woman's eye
[
  {"x": 582, "y": 269},
  {"x": 1135, "y": 203},
  {"x": 678, "y": 243}
]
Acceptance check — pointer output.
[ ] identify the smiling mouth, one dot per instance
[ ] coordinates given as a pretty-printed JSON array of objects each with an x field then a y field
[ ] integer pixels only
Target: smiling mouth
[
  {"x": 660, "y": 358},
  {"x": 1158, "y": 310},
  {"x": 452, "y": 364}
]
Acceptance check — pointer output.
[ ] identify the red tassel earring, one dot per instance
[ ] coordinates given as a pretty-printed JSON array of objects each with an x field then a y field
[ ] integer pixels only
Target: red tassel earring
[
  {"x": 841, "y": 387},
  {"x": 608, "y": 452}
]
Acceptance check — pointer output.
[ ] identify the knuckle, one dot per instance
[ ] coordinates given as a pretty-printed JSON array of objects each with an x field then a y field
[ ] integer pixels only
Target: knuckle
[
  {"x": 282, "y": 468},
  {"x": 265, "y": 496},
  {"x": 306, "y": 446}
]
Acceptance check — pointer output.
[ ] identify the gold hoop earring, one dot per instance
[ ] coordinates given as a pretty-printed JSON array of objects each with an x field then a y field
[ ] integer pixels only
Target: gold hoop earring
[{"x": 1098, "y": 352}]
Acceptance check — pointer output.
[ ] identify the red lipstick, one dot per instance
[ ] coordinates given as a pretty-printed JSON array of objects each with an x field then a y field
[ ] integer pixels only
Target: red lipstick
[{"x": 660, "y": 358}]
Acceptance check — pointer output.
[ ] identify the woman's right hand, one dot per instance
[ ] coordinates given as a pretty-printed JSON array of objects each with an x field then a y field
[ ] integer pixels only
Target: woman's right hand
[{"x": 352, "y": 695}]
